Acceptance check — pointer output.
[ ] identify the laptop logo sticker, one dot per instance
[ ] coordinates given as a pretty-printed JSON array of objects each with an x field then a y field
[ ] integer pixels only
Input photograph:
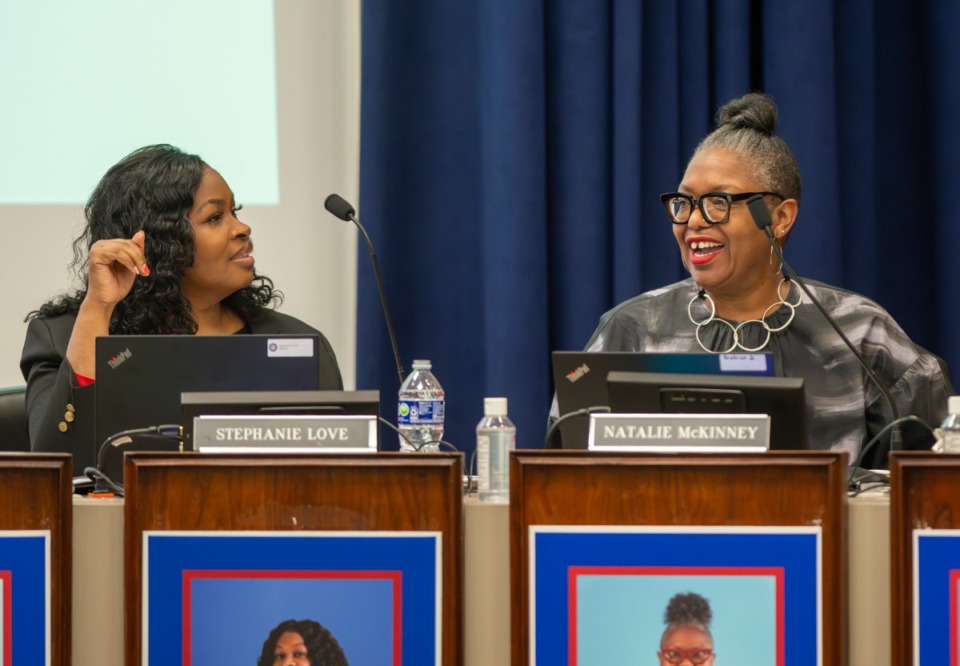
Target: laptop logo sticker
[
  {"x": 302, "y": 347},
  {"x": 576, "y": 374},
  {"x": 119, "y": 358}
]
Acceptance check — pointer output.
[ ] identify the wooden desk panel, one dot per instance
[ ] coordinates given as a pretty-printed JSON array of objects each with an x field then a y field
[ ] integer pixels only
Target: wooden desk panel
[
  {"x": 297, "y": 492},
  {"x": 603, "y": 488},
  {"x": 35, "y": 494},
  {"x": 98, "y": 589}
]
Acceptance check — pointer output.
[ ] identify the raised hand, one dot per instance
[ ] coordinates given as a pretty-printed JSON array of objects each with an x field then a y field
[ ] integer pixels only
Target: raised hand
[{"x": 113, "y": 265}]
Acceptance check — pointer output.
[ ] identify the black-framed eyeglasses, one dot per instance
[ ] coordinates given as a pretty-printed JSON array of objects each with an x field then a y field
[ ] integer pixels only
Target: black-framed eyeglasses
[
  {"x": 677, "y": 655},
  {"x": 714, "y": 206}
]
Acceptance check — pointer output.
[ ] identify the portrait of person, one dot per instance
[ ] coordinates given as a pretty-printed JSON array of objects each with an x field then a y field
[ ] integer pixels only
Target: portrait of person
[
  {"x": 301, "y": 643},
  {"x": 647, "y": 617},
  {"x": 164, "y": 251},
  {"x": 686, "y": 638},
  {"x": 739, "y": 300},
  {"x": 230, "y": 613}
]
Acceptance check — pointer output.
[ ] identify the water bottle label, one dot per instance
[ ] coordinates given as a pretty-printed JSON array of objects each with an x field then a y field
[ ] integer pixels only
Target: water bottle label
[
  {"x": 951, "y": 442},
  {"x": 483, "y": 462},
  {"x": 420, "y": 412}
]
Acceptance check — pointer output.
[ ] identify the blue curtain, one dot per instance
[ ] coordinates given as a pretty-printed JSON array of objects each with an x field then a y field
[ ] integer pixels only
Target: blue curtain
[{"x": 512, "y": 153}]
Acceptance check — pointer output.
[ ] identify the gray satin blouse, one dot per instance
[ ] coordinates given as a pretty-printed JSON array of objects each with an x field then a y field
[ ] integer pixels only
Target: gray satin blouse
[{"x": 845, "y": 409}]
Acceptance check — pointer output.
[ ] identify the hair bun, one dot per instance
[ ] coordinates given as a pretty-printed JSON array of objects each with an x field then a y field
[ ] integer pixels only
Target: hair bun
[
  {"x": 689, "y": 608},
  {"x": 752, "y": 111}
]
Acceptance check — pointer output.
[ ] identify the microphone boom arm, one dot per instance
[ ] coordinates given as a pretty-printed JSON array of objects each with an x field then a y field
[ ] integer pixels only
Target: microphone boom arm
[
  {"x": 341, "y": 208},
  {"x": 761, "y": 217},
  {"x": 383, "y": 297}
]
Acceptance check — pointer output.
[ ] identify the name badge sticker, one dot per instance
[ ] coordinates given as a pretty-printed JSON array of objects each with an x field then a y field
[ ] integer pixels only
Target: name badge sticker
[
  {"x": 749, "y": 362},
  {"x": 279, "y": 347}
]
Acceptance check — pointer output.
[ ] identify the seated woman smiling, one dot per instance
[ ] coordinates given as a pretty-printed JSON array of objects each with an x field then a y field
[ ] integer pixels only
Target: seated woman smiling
[{"x": 737, "y": 299}]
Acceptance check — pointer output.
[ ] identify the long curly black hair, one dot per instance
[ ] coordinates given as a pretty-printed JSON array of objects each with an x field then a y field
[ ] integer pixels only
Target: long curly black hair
[
  {"x": 322, "y": 648},
  {"x": 152, "y": 189}
]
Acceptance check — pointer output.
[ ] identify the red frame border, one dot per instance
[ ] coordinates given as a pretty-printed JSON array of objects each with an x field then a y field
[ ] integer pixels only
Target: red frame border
[
  {"x": 777, "y": 573},
  {"x": 190, "y": 575}
]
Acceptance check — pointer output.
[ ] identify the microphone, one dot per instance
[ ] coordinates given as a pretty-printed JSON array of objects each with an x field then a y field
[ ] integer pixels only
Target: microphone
[
  {"x": 340, "y": 207},
  {"x": 118, "y": 441},
  {"x": 761, "y": 217},
  {"x": 548, "y": 442}
]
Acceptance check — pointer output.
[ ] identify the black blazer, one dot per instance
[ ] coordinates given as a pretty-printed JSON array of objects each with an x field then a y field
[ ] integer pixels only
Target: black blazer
[{"x": 60, "y": 413}]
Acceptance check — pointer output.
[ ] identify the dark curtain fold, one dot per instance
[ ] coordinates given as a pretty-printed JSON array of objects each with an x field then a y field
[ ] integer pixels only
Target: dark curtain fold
[{"x": 512, "y": 153}]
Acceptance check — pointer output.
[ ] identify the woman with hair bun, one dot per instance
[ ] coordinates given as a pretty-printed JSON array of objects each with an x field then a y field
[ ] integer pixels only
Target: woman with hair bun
[
  {"x": 738, "y": 300},
  {"x": 686, "y": 638}
]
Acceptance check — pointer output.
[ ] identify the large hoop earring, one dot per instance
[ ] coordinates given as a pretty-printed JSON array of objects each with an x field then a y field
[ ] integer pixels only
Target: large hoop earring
[{"x": 780, "y": 267}]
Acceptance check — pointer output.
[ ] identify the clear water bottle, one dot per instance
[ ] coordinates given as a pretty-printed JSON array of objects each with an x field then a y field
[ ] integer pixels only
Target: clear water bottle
[
  {"x": 496, "y": 438},
  {"x": 950, "y": 428},
  {"x": 420, "y": 410}
]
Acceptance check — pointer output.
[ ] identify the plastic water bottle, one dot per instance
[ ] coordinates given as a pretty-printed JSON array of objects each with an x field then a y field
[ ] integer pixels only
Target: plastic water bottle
[
  {"x": 950, "y": 428},
  {"x": 420, "y": 410},
  {"x": 496, "y": 438}
]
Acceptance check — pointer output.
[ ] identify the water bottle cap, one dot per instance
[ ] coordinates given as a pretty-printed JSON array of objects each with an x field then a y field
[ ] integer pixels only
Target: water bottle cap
[
  {"x": 953, "y": 404},
  {"x": 421, "y": 365},
  {"x": 494, "y": 406}
]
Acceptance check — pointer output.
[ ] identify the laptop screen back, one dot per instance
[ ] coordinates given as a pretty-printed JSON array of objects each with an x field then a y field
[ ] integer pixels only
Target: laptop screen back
[
  {"x": 140, "y": 377},
  {"x": 580, "y": 378}
]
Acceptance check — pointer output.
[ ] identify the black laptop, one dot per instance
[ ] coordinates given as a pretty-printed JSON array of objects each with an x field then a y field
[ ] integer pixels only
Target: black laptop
[
  {"x": 580, "y": 378},
  {"x": 140, "y": 379}
]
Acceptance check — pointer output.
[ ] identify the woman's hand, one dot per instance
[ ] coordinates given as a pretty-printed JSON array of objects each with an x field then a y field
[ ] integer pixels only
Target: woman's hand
[{"x": 113, "y": 265}]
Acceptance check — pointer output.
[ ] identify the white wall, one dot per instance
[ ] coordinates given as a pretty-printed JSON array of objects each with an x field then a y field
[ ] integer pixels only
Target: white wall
[{"x": 310, "y": 255}]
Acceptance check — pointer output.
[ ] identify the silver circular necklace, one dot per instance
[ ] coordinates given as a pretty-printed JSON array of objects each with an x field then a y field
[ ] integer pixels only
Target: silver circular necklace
[{"x": 705, "y": 300}]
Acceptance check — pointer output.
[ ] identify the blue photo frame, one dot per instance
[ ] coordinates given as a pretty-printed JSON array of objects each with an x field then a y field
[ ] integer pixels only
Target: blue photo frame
[
  {"x": 598, "y": 593},
  {"x": 936, "y": 577},
  {"x": 216, "y": 596},
  {"x": 25, "y": 569}
]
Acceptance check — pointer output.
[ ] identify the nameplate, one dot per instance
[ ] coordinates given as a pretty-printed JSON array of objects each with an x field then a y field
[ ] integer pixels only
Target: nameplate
[
  {"x": 276, "y": 433},
  {"x": 724, "y": 433}
]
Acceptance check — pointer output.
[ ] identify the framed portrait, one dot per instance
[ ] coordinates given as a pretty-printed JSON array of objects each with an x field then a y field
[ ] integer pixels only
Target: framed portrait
[
  {"x": 25, "y": 611},
  {"x": 241, "y": 597},
  {"x": 607, "y": 595},
  {"x": 936, "y": 590}
]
